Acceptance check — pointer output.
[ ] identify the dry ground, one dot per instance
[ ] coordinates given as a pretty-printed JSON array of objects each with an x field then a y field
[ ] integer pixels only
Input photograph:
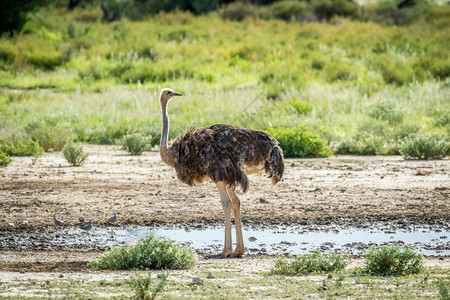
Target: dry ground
[{"x": 142, "y": 190}]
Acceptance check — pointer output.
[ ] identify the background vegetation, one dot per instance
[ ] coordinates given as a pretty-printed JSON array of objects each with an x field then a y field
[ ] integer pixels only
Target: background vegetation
[{"x": 364, "y": 78}]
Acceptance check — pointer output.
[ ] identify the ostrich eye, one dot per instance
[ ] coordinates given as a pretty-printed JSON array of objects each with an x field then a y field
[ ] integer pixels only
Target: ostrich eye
[{"x": 169, "y": 92}]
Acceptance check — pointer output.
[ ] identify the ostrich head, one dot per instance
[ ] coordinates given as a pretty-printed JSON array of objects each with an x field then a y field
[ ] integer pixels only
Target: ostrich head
[{"x": 167, "y": 94}]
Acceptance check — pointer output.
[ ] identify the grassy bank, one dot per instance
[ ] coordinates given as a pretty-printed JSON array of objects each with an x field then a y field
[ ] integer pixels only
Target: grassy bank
[{"x": 362, "y": 87}]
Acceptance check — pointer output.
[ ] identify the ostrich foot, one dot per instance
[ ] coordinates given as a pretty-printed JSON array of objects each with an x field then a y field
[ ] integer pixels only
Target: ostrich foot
[
  {"x": 226, "y": 253},
  {"x": 237, "y": 254}
]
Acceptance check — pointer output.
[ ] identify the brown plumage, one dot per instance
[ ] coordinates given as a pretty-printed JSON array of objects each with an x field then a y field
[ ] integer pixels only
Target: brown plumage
[{"x": 224, "y": 154}]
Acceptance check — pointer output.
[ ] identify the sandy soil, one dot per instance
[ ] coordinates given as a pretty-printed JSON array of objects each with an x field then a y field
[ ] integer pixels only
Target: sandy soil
[{"x": 143, "y": 190}]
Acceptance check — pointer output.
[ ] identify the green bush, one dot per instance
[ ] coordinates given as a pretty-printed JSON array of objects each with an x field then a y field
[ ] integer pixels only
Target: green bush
[
  {"x": 74, "y": 154},
  {"x": 7, "y": 52},
  {"x": 424, "y": 146},
  {"x": 136, "y": 143},
  {"x": 391, "y": 260},
  {"x": 311, "y": 263},
  {"x": 302, "y": 107},
  {"x": 20, "y": 147},
  {"x": 142, "y": 285},
  {"x": 150, "y": 253},
  {"x": 326, "y": 9},
  {"x": 48, "y": 133},
  {"x": 286, "y": 10},
  {"x": 5, "y": 160},
  {"x": 46, "y": 60},
  {"x": 238, "y": 11},
  {"x": 300, "y": 142},
  {"x": 386, "y": 111},
  {"x": 376, "y": 138}
]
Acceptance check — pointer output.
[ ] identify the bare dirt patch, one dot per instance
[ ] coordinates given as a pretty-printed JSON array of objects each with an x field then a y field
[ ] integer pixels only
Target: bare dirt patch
[{"x": 143, "y": 190}]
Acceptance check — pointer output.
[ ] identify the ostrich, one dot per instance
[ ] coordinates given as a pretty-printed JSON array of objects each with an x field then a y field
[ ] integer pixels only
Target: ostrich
[{"x": 224, "y": 154}]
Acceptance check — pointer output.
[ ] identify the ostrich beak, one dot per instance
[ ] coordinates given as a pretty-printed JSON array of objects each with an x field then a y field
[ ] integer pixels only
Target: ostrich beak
[{"x": 177, "y": 94}]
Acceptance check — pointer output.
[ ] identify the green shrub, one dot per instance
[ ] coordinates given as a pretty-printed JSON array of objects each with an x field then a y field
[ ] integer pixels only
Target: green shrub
[
  {"x": 391, "y": 260},
  {"x": 136, "y": 143},
  {"x": 311, "y": 263},
  {"x": 46, "y": 60},
  {"x": 376, "y": 138},
  {"x": 386, "y": 111},
  {"x": 5, "y": 160},
  {"x": 48, "y": 133},
  {"x": 424, "y": 146},
  {"x": 7, "y": 52},
  {"x": 150, "y": 253},
  {"x": 326, "y": 9},
  {"x": 300, "y": 142},
  {"x": 238, "y": 11},
  {"x": 302, "y": 107},
  {"x": 444, "y": 288},
  {"x": 338, "y": 71},
  {"x": 395, "y": 73},
  {"x": 141, "y": 286},
  {"x": 286, "y": 10},
  {"x": 21, "y": 147},
  {"x": 74, "y": 154}
]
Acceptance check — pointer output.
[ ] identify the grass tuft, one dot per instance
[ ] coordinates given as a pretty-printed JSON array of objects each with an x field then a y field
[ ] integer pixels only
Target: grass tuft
[
  {"x": 150, "y": 253},
  {"x": 74, "y": 154},
  {"x": 142, "y": 285},
  {"x": 391, "y": 260},
  {"x": 311, "y": 263}
]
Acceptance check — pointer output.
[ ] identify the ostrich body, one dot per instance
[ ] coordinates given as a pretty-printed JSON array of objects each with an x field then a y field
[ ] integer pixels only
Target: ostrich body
[{"x": 224, "y": 154}]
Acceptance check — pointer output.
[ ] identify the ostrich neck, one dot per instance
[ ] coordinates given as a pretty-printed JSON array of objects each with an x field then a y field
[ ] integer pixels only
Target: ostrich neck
[{"x": 164, "y": 151}]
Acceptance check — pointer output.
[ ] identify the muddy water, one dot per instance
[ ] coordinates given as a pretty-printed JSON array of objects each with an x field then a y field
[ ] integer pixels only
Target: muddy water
[{"x": 258, "y": 238}]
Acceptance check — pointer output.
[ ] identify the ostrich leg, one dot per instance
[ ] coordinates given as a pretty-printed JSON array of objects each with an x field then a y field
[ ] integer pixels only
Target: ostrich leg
[
  {"x": 226, "y": 206},
  {"x": 236, "y": 206}
]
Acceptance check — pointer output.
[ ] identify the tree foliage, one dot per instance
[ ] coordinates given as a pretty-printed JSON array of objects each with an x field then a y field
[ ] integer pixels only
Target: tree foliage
[{"x": 13, "y": 13}]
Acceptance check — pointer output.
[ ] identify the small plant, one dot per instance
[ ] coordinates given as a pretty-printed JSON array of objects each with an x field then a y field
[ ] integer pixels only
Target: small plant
[
  {"x": 5, "y": 160},
  {"x": 311, "y": 263},
  {"x": 300, "y": 142},
  {"x": 74, "y": 154},
  {"x": 150, "y": 253},
  {"x": 141, "y": 286},
  {"x": 444, "y": 288},
  {"x": 391, "y": 260},
  {"x": 135, "y": 143},
  {"x": 424, "y": 146}
]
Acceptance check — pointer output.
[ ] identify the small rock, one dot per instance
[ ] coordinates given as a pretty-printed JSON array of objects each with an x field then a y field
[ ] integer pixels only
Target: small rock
[
  {"x": 11, "y": 225},
  {"x": 210, "y": 275},
  {"x": 61, "y": 276},
  {"x": 81, "y": 219},
  {"x": 252, "y": 239},
  {"x": 25, "y": 222}
]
